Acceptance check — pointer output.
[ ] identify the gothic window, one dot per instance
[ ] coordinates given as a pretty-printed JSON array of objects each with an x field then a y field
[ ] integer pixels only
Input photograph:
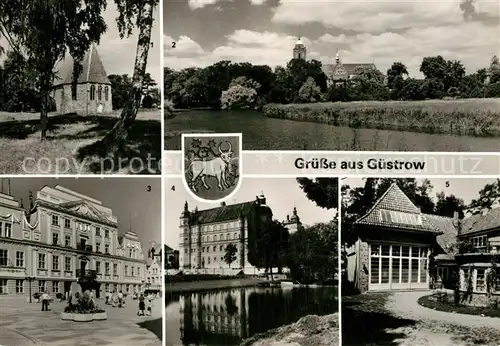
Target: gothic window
[
  {"x": 92, "y": 92},
  {"x": 106, "y": 93},
  {"x": 99, "y": 93}
]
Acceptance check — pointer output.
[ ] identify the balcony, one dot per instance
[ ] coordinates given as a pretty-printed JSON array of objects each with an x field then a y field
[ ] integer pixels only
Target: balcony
[
  {"x": 85, "y": 273},
  {"x": 489, "y": 247},
  {"x": 86, "y": 248}
]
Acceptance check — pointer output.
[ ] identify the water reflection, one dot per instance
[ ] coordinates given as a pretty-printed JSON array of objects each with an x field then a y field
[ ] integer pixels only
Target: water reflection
[
  {"x": 262, "y": 133},
  {"x": 227, "y": 317}
]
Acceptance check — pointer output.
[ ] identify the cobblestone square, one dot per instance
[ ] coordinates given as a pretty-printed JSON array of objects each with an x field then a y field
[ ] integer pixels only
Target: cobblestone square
[{"x": 23, "y": 324}]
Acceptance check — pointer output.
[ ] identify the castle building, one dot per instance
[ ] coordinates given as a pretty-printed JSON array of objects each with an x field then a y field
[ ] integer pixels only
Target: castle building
[
  {"x": 66, "y": 241},
  {"x": 93, "y": 91},
  {"x": 205, "y": 234}
]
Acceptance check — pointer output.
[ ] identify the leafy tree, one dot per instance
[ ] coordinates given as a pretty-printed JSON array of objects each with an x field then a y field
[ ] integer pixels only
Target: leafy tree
[
  {"x": 238, "y": 97},
  {"x": 487, "y": 196},
  {"x": 322, "y": 191},
  {"x": 230, "y": 254},
  {"x": 309, "y": 92},
  {"x": 46, "y": 30},
  {"x": 313, "y": 253},
  {"x": 132, "y": 14},
  {"x": 395, "y": 76},
  {"x": 448, "y": 205},
  {"x": 120, "y": 84},
  {"x": 413, "y": 90},
  {"x": 494, "y": 70}
]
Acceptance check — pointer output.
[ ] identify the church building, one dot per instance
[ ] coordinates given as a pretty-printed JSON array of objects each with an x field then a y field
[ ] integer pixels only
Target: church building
[
  {"x": 338, "y": 72},
  {"x": 93, "y": 92}
]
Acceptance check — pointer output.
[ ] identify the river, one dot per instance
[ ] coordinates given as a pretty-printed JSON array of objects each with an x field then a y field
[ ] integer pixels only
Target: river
[
  {"x": 226, "y": 317},
  {"x": 262, "y": 133}
]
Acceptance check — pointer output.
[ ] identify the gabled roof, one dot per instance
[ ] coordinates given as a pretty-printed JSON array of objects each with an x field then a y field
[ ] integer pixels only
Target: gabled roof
[
  {"x": 79, "y": 208},
  {"x": 349, "y": 68},
  {"x": 92, "y": 70},
  {"x": 395, "y": 200},
  {"x": 479, "y": 222},
  {"x": 222, "y": 213},
  {"x": 448, "y": 238}
]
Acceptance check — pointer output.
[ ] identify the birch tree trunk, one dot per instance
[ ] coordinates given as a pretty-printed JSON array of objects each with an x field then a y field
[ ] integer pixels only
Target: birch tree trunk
[{"x": 115, "y": 138}]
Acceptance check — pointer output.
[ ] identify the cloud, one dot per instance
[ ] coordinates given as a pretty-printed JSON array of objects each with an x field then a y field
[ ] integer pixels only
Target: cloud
[
  {"x": 376, "y": 15},
  {"x": 183, "y": 47},
  {"x": 473, "y": 43},
  {"x": 196, "y": 4},
  {"x": 258, "y": 2}
]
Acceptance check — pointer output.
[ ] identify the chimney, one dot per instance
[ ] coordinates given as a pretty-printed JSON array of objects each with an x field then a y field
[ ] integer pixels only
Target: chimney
[{"x": 457, "y": 223}]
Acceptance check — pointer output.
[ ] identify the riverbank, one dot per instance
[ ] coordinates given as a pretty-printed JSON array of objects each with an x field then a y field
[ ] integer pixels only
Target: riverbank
[
  {"x": 203, "y": 286},
  {"x": 310, "y": 330},
  {"x": 464, "y": 117}
]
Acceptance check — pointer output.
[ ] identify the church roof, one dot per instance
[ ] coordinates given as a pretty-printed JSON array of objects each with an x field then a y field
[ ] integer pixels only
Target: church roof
[
  {"x": 92, "y": 70},
  {"x": 349, "y": 68}
]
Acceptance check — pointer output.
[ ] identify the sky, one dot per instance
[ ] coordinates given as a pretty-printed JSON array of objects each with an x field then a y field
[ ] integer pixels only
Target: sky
[
  {"x": 281, "y": 196},
  {"x": 129, "y": 199},
  {"x": 370, "y": 31},
  {"x": 464, "y": 188},
  {"x": 118, "y": 55}
]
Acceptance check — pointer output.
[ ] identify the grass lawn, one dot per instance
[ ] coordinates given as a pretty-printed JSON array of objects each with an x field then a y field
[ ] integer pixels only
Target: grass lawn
[
  {"x": 448, "y": 305},
  {"x": 471, "y": 117},
  {"x": 22, "y": 151}
]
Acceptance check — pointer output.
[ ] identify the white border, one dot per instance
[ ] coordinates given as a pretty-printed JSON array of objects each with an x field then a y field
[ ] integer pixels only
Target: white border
[
  {"x": 339, "y": 254},
  {"x": 183, "y": 164}
]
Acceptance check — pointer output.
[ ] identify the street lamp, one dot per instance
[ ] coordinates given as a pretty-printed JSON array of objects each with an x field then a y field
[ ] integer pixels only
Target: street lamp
[{"x": 29, "y": 279}]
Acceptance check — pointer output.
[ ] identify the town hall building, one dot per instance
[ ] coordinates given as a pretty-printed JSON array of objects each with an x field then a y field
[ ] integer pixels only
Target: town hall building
[
  {"x": 64, "y": 242},
  {"x": 204, "y": 235},
  {"x": 93, "y": 91}
]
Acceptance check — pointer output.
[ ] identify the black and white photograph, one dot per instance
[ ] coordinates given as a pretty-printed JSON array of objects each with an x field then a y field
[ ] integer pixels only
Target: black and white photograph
[
  {"x": 259, "y": 268},
  {"x": 80, "y": 87},
  {"x": 419, "y": 261},
  {"x": 334, "y": 75},
  {"x": 80, "y": 262}
]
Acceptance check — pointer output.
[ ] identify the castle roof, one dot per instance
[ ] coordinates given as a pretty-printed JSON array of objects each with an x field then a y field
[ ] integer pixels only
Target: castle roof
[
  {"x": 92, "y": 70},
  {"x": 222, "y": 213},
  {"x": 350, "y": 68}
]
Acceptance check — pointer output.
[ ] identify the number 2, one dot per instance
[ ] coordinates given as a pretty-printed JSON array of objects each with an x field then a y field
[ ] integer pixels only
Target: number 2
[{"x": 173, "y": 44}]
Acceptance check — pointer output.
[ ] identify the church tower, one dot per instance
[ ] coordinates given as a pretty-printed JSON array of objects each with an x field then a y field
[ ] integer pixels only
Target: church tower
[
  {"x": 299, "y": 51},
  {"x": 293, "y": 223}
]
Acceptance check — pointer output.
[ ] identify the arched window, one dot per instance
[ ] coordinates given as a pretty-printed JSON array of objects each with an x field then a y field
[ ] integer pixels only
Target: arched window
[
  {"x": 92, "y": 92},
  {"x": 106, "y": 93},
  {"x": 99, "y": 93}
]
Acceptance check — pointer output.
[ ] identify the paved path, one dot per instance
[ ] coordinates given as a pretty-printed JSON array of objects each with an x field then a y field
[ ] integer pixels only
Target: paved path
[
  {"x": 438, "y": 328},
  {"x": 123, "y": 327},
  {"x": 404, "y": 304}
]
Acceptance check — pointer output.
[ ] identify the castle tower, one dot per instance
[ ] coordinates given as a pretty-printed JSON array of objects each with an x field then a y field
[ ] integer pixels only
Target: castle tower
[
  {"x": 299, "y": 50},
  {"x": 337, "y": 58},
  {"x": 293, "y": 223},
  {"x": 185, "y": 239},
  {"x": 93, "y": 91}
]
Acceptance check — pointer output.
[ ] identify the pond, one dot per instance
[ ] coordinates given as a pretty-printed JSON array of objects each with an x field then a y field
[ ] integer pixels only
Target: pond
[
  {"x": 226, "y": 317},
  {"x": 262, "y": 133}
]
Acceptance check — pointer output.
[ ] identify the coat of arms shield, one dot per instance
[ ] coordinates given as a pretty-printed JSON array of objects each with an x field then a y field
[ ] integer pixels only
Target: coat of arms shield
[{"x": 212, "y": 165}]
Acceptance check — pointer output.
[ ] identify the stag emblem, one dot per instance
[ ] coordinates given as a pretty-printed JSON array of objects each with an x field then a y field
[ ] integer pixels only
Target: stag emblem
[{"x": 212, "y": 160}]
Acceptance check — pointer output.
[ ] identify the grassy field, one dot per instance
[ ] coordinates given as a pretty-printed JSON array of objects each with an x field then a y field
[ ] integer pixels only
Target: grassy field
[
  {"x": 22, "y": 151},
  {"x": 472, "y": 117}
]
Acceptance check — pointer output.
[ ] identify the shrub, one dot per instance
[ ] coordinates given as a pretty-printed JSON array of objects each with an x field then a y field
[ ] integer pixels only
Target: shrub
[
  {"x": 60, "y": 296},
  {"x": 37, "y": 295},
  {"x": 459, "y": 117},
  {"x": 84, "y": 305}
]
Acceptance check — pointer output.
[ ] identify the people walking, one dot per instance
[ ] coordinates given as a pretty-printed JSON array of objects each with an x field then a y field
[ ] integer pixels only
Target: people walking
[
  {"x": 45, "y": 301},
  {"x": 142, "y": 306},
  {"x": 120, "y": 299}
]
